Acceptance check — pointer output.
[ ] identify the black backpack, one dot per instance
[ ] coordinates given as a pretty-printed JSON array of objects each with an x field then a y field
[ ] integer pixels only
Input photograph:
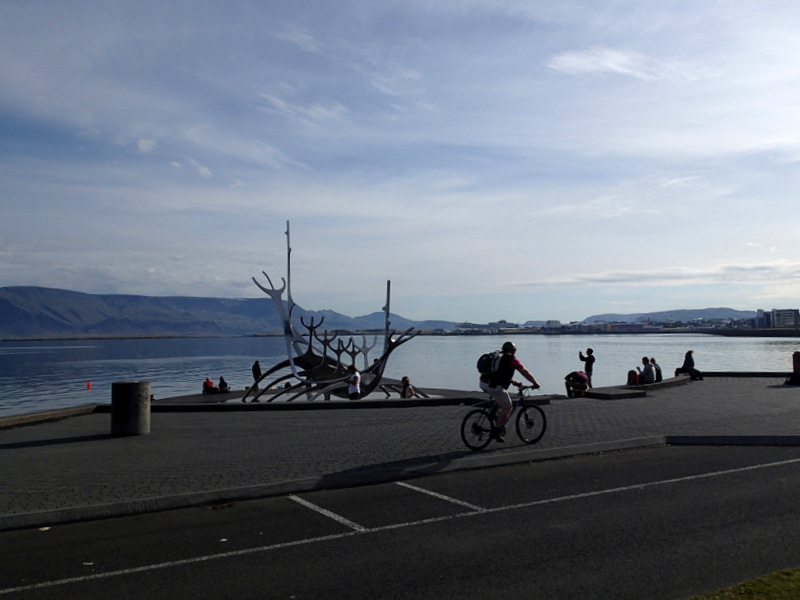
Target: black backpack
[{"x": 489, "y": 363}]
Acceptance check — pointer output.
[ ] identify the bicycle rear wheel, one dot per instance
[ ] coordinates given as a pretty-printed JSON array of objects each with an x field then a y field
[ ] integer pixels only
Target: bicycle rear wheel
[
  {"x": 476, "y": 429},
  {"x": 531, "y": 424}
]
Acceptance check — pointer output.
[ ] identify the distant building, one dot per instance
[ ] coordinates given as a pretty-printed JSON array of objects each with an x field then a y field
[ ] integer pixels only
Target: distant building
[
  {"x": 503, "y": 324},
  {"x": 484, "y": 328},
  {"x": 786, "y": 318},
  {"x": 472, "y": 327},
  {"x": 633, "y": 327}
]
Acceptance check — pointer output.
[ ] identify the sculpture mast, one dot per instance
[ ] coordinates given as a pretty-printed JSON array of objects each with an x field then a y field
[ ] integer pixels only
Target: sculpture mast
[
  {"x": 291, "y": 333},
  {"x": 386, "y": 335},
  {"x": 289, "y": 270}
]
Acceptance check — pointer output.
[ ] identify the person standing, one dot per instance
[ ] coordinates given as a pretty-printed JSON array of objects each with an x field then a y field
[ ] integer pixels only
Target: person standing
[
  {"x": 496, "y": 385},
  {"x": 588, "y": 361},
  {"x": 407, "y": 390},
  {"x": 256, "y": 378},
  {"x": 353, "y": 383}
]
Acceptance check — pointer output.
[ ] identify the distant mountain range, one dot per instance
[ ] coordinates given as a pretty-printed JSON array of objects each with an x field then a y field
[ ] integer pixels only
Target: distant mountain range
[
  {"x": 46, "y": 313},
  {"x": 678, "y": 316},
  {"x": 36, "y": 312}
]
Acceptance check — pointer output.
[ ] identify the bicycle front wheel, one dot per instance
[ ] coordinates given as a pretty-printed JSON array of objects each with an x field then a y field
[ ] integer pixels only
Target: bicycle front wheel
[
  {"x": 476, "y": 429},
  {"x": 531, "y": 424}
]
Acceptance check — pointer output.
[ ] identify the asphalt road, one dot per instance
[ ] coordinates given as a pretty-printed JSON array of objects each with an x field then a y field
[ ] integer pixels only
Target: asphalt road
[{"x": 661, "y": 523}]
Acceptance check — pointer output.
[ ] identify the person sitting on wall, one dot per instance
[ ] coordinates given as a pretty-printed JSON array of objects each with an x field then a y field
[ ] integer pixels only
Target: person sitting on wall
[
  {"x": 657, "y": 367},
  {"x": 647, "y": 373},
  {"x": 208, "y": 387},
  {"x": 576, "y": 383},
  {"x": 223, "y": 385},
  {"x": 688, "y": 367}
]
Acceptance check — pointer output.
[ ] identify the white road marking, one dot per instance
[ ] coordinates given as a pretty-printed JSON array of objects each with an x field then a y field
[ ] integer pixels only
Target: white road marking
[
  {"x": 173, "y": 563},
  {"x": 363, "y": 530},
  {"x": 474, "y": 507},
  {"x": 327, "y": 513}
]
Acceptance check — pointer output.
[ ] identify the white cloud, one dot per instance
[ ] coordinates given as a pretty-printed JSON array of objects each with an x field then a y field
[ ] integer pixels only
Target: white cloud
[
  {"x": 302, "y": 39},
  {"x": 604, "y": 60},
  {"x": 146, "y": 146},
  {"x": 755, "y": 275},
  {"x": 201, "y": 170},
  {"x": 315, "y": 114}
]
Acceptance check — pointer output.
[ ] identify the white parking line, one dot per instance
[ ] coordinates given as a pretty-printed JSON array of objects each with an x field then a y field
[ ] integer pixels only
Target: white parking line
[
  {"x": 359, "y": 530},
  {"x": 173, "y": 563},
  {"x": 327, "y": 513},
  {"x": 474, "y": 507}
]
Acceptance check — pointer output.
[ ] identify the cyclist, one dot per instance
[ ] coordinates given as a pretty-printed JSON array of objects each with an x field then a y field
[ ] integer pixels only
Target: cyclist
[{"x": 496, "y": 385}]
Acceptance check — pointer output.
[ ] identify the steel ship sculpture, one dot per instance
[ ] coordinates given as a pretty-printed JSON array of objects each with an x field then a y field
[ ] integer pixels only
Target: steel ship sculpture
[{"x": 318, "y": 361}]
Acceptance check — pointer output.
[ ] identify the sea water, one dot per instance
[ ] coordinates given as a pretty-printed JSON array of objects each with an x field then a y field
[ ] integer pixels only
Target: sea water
[{"x": 36, "y": 376}]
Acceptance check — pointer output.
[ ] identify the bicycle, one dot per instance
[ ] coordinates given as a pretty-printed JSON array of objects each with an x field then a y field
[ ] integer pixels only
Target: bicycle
[{"x": 476, "y": 428}]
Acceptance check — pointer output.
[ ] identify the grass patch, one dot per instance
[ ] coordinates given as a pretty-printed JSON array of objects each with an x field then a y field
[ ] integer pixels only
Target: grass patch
[{"x": 780, "y": 585}]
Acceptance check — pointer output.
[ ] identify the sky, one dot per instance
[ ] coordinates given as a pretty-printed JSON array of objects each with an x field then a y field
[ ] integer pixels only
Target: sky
[{"x": 518, "y": 160}]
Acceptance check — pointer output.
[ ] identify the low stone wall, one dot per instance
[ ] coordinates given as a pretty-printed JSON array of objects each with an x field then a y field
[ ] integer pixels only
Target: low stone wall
[
  {"x": 746, "y": 373},
  {"x": 614, "y": 393},
  {"x": 46, "y": 415},
  {"x": 634, "y": 391},
  {"x": 620, "y": 392}
]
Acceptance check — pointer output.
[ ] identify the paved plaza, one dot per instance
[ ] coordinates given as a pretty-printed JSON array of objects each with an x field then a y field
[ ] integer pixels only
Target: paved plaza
[{"x": 73, "y": 469}]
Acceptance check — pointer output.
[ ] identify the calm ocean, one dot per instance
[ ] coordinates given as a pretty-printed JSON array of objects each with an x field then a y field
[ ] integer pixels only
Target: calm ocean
[{"x": 37, "y": 376}]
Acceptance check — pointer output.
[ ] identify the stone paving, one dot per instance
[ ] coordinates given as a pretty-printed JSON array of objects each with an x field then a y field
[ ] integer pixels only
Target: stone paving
[{"x": 72, "y": 469}]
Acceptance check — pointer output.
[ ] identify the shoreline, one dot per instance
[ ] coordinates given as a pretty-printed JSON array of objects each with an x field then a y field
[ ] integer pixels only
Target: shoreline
[{"x": 756, "y": 333}]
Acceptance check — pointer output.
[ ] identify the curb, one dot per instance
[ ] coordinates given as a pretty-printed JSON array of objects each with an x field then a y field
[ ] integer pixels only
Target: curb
[{"x": 733, "y": 440}]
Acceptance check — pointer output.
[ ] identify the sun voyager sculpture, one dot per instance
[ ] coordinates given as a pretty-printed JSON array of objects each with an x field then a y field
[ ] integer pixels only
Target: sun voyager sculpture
[{"x": 318, "y": 361}]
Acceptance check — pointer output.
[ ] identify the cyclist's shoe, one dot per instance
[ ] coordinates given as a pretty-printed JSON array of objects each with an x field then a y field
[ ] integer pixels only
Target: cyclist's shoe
[{"x": 497, "y": 434}]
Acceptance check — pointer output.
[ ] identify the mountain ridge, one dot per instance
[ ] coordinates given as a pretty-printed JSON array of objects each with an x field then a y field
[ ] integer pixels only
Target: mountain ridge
[
  {"x": 31, "y": 312},
  {"x": 681, "y": 315}
]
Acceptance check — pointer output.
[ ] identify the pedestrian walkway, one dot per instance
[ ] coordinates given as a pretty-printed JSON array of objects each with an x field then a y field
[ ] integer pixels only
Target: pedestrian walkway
[{"x": 72, "y": 469}]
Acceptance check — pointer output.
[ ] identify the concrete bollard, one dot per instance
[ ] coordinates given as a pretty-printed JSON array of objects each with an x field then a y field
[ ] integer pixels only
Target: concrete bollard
[{"x": 130, "y": 408}]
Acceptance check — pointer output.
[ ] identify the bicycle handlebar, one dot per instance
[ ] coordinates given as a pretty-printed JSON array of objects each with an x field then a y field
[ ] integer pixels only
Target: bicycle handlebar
[{"x": 521, "y": 386}]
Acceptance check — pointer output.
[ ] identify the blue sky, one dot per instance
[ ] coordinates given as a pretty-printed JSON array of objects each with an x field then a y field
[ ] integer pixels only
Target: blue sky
[{"x": 494, "y": 160}]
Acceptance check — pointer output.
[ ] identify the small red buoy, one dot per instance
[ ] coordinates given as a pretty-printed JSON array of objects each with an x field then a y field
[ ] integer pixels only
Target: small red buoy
[{"x": 88, "y": 385}]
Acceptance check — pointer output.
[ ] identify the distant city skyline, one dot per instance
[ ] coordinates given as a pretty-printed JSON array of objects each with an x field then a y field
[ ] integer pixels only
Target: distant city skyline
[{"x": 494, "y": 160}]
